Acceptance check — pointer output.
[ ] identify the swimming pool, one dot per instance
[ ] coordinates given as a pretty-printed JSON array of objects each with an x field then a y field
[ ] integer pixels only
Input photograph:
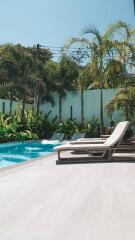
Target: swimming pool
[{"x": 13, "y": 153}]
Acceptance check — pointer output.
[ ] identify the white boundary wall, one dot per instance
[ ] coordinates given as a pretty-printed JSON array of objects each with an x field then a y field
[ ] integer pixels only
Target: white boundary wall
[
  {"x": 16, "y": 106},
  {"x": 91, "y": 105}
]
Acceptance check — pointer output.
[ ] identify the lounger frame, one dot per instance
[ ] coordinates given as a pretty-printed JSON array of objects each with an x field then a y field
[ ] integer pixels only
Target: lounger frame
[
  {"x": 105, "y": 156},
  {"x": 107, "y": 152}
]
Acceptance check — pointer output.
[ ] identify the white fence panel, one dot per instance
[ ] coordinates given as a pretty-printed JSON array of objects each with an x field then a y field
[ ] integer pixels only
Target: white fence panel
[
  {"x": 16, "y": 106},
  {"x": 91, "y": 105}
]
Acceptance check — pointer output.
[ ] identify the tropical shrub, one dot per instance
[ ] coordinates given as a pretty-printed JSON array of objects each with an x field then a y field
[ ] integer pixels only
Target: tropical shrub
[
  {"x": 29, "y": 126},
  {"x": 69, "y": 127},
  {"x": 40, "y": 124},
  {"x": 26, "y": 135},
  {"x": 47, "y": 126},
  {"x": 91, "y": 128},
  {"x": 33, "y": 126}
]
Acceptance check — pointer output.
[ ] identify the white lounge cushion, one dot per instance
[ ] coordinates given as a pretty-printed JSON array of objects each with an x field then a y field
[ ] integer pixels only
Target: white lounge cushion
[
  {"x": 114, "y": 138},
  {"x": 81, "y": 146}
]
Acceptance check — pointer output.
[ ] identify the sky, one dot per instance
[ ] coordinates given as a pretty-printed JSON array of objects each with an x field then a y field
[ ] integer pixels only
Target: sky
[{"x": 54, "y": 22}]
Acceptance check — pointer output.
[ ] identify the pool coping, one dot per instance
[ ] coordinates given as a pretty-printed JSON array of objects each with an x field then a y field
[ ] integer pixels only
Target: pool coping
[{"x": 46, "y": 157}]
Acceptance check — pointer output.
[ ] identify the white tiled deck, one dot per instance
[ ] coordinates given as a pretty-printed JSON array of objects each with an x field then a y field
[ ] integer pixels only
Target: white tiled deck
[{"x": 42, "y": 201}]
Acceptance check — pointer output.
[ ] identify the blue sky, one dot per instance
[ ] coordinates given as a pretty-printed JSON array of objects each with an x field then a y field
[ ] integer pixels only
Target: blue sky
[{"x": 54, "y": 22}]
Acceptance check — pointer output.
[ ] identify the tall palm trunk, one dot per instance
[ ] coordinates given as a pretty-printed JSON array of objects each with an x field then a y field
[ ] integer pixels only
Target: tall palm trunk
[
  {"x": 60, "y": 108},
  {"x": 82, "y": 106},
  {"x": 23, "y": 107},
  {"x": 126, "y": 113},
  {"x": 38, "y": 105},
  {"x": 10, "y": 107},
  {"x": 101, "y": 108},
  {"x": 35, "y": 106}
]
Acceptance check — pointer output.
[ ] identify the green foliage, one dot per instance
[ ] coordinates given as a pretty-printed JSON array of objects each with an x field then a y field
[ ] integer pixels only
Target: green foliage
[
  {"x": 25, "y": 135},
  {"x": 61, "y": 76},
  {"x": 21, "y": 74},
  {"x": 91, "y": 128},
  {"x": 33, "y": 126},
  {"x": 123, "y": 101},
  {"x": 10, "y": 129},
  {"x": 111, "y": 54},
  {"x": 30, "y": 126},
  {"x": 69, "y": 127},
  {"x": 40, "y": 124},
  {"x": 29, "y": 75},
  {"x": 69, "y": 73},
  {"x": 49, "y": 126}
]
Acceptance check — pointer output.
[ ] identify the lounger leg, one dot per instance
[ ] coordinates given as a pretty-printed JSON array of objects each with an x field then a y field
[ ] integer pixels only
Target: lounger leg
[
  {"x": 58, "y": 155},
  {"x": 109, "y": 155}
]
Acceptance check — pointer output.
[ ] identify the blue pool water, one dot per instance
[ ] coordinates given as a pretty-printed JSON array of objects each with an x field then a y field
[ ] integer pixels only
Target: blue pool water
[{"x": 13, "y": 153}]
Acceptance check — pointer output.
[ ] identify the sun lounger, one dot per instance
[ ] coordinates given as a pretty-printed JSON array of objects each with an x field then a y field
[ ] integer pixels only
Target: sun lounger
[
  {"x": 57, "y": 136},
  {"x": 107, "y": 148},
  {"x": 55, "y": 139},
  {"x": 77, "y": 136},
  {"x": 102, "y": 139}
]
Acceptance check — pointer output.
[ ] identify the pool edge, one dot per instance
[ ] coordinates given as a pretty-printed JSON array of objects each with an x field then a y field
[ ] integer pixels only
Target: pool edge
[{"x": 28, "y": 162}]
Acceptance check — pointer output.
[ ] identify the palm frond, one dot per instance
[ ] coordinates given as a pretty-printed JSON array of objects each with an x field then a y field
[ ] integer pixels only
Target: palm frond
[
  {"x": 94, "y": 31},
  {"x": 117, "y": 27},
  {"x": 79, "y": 41},
  {"x": 123, "y": 101}
]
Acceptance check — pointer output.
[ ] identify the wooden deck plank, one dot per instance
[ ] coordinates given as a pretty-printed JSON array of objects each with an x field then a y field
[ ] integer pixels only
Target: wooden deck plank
[{"x": 42, "y": 201}]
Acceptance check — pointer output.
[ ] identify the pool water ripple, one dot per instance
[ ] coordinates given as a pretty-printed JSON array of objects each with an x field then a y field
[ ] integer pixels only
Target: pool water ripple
[{"x": 22, "y": 151}]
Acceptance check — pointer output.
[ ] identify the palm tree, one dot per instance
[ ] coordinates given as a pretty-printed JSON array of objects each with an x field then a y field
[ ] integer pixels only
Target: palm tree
[
  {"x": 124, "y": 101},
  {"x": 103, "y": 59}
]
